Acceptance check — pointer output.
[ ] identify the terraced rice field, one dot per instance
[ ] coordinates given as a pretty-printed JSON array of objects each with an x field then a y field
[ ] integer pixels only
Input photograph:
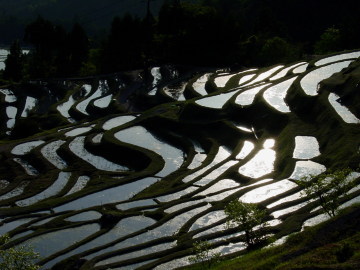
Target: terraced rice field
[{"x": 92, "y": 179}]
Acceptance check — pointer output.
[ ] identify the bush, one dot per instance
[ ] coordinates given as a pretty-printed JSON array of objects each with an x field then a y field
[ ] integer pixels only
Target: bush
[
  {"x": 203, "y": 254},
  {"x": 17, "y": 258}
]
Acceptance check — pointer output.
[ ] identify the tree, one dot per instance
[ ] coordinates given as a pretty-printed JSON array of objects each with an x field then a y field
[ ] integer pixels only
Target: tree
[
  {"x": 330, "y": 41},
  {"x": 48, "y": 40},
  {"x": 78, "y": 44},
  {"x": 329, "y": 187},
  {"x": 250, "y": 218},
  {"x": 203, "y": 254},
  {"x": 17, "y": 258},
  {"x": 42, "y": 34},
  {"x": 276, "y": 50},
  {"x": 124, "y": 47},
  {"x": 14, "y": 63}
]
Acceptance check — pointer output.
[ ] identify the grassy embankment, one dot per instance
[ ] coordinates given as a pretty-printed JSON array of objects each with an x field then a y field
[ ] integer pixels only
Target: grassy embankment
[{"x": 334, "y": 244}]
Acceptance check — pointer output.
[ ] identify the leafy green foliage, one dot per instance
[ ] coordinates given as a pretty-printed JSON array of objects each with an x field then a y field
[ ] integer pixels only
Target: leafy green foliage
[
  {"x": 250, "y": 218},
  {"x": 190, "y": 32},
  {"x": 56, "y": 52},
  {"x": 330, "y": 41},
  {"x": 329, "y": 187},
  {"x": 204, "y": 255},
  {"x": 276, "y": 50},
  {"x": 14, "y": 63},
  {"x": 334, "y": 244},
  {"x": 17, "y": 258}
]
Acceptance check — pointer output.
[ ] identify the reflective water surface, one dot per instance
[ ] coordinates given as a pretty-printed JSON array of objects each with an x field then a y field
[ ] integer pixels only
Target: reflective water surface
[
  {"x": 29, "y": 169},
  {"x": 50, "y": 243},
  {"x": 25, "y": 148},
  {"x": 264, "y": 75},
  {"x": 247, "y": 97},
  {"x": 305, "y": 169},
  {"x": 276, "y": 94},
  {"x": 54, "y": 189},
  {"x": 339, "y": 57},
  {"x": 79, "y": 185},
  {"x": 199, "y": 85},
  {"x": 29, "y": 105},
  {"x": 111, "y": 195},
  {"x": 306, "y": 147},
  {"x": 78, "y": 148},
  {"x": 215, "y": 102},
  {"x": 262, "y": 193},
  {"x": 344, "y": 112},
  {"x": 77, "y": 131},
  {"x": 49, "y": 152},
  {"x": 103, "y": 102},
  {"x": 310, "y": 82},
  {"x": 262, "y": 163},
  {"x": 141, "y": 137},
  {"x": 9, "y": 95},
  {"x": 117, "y": 121}
]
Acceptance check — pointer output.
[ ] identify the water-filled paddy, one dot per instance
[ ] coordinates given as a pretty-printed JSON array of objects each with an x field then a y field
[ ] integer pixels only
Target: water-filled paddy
[
  {"x": 275, "y": 95},
  {"x": 117, "y": 121},
  {"x": 65, "y": 107},
  {"x": 196, "y": 163},
  {"x": 25, "y": 148},
  {"x": 311, "y": 80},
  {"x": 215, "y": 102},
  {"x": 343, "y": 112},
  {"x": 53, "y": 190},
  {"x": 306, "y": 147},
  {"x": 247, "y": 97},
  {"x": 29, "y": 105},
  {"x": 102, "y": 89},
  {"x": 141, "y": 137},
  {"x": 9, "y": 95},
  {"x": 49, "y": 152},
  {"x": 262, "y": 163},
  {"x": 199, "y": 85},
  {"x": 111, "y": 195},
  {"x": 78, "y": 148}
]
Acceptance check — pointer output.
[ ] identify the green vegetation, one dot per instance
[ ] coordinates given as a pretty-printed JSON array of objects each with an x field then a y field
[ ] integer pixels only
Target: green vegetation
[
  {"x": 248, "y": 217},
  {"x": 334, "y": 244},
  {"x": 329, "y": 188},
  {"x": 203, "y": 33},
  {"x": 197, "y": 33},
  {"x": 14, "y": 63},
  {"x": 203, "y": 255},
  {"x": 17, "y": 258}
]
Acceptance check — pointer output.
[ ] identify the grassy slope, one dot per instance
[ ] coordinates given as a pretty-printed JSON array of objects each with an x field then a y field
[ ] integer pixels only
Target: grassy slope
[{"x": 314, "y": 248}]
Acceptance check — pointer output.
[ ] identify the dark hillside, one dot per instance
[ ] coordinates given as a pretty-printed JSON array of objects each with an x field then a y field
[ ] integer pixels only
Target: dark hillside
[
  {"x": 131, "y": 169},
  {"x": 94, "y": 15}
]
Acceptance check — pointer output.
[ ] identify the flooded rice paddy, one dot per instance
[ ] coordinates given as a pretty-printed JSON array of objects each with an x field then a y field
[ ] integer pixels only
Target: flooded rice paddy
[{"x": 117, "y": 187}]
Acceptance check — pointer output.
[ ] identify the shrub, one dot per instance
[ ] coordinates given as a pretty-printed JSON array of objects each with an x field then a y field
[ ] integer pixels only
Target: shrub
[
  {"x": 17, "y": 258},
  {"x": 203, "y": 254}
]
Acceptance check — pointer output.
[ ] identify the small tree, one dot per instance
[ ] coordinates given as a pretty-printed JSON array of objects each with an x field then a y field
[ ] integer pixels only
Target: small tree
[
  {"x": 247, "y": 216},
  {"x": 17, "y": 258},
  {"x": 329, "y": 187},
  {"x": 203, "y": 254}
]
